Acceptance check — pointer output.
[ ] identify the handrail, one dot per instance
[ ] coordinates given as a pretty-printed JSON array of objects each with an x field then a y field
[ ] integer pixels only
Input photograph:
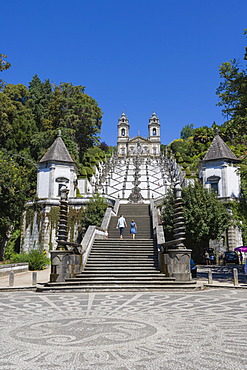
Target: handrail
[
  {"x": 116, "y": 206},
  {"x": 106, "y": 219},
  {"x": 93, "y": 232},
  {"x": 88, "y": 240}
]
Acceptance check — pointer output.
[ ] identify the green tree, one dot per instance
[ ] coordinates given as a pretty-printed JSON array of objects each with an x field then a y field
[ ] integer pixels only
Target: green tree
[
  {"x": 232, "y": 93},
  {"x": 78, "y": 112},
  {"x": 4, "y": 65},
  {"x": 16, "y": 119},
  {"x": 187, "y": 131},
  {"x": 103, "y": 146},
  {"x": 94, "y": 211},
  {"x": 41, "y": 96},
  {"x": 205, "y": 217},
  {"x": 203, "y": 135},
  {"x": 14, "y": 187}
]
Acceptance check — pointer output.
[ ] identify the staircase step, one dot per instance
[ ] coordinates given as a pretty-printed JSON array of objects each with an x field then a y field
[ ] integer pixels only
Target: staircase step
[
  {"x": 118, "y": 278},
  {"x": 121, "y": 257},
  {"x": 117, "y": 282},
  {"x": 130, "y": 274},
  {"x": 129, "y": 271},
  {"x": 121, "y": 267},
  {"x": 112, "y": 287}
]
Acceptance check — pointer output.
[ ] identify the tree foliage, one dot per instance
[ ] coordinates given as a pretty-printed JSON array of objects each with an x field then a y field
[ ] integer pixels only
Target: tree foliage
[
  {"x": 187, "y": 131},
  {"x": 94, "y": 211},
  {"x": 14, "y": 187},
  {"x": 30, "y": 118},
  {"x": 4, "y": 65},
  {"x": 232, "y": 93},
  {"x": 205, "y": 217}
]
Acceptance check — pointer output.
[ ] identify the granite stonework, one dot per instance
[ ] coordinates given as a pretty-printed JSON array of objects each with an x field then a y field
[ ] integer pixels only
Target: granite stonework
[
  {"x": 168, "y": 330},
  {"x": 64, "y": 265},
  {"x": 16, "y": 267},
  {"x": 177, "y": 264}
]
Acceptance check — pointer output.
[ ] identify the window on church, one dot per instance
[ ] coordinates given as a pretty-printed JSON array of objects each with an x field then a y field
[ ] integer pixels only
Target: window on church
[
  {"x": 123, "y": 132},
  {"x": 214, "y": 183},
  {"x": 154, "y": 131},
  {"x": 123, "y": 150},
  {"x": 154, "y": 151}
]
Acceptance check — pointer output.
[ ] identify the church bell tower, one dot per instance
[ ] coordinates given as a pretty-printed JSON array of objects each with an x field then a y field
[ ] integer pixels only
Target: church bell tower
[
  {"x": 154, "y": 134},
  {"x": 123, "y": 135}
]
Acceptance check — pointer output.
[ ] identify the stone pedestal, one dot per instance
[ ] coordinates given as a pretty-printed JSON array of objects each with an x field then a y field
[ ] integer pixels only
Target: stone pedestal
[
  {"x": 177, "y": 264},
  {"x": 64, "y": 264}
]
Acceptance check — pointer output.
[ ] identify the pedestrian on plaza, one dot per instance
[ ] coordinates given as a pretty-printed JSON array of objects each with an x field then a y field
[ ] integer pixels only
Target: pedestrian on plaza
[
  {"x": 220, "y": 258},
  {"x": 121, "y": 224},
  {"x": 211, "y": 259},
  {"x": 206, "y": 257},
  {"x": 240, "y": 257},
  {"x": 133, "y": 229}
]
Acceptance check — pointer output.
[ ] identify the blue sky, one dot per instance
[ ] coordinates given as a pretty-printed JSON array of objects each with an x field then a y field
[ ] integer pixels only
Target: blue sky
[{"x": 136, "y": 56}]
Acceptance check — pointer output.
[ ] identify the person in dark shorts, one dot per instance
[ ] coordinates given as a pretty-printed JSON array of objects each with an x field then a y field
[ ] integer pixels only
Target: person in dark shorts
[{"x": 121, "y": 224}]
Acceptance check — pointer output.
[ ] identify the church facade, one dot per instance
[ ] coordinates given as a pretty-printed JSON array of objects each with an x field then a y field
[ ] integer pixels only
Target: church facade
[{"x": 138, "y": 145}]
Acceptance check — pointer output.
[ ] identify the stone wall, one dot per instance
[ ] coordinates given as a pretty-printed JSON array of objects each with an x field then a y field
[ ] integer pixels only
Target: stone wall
[{"x": 40, "y": 221}]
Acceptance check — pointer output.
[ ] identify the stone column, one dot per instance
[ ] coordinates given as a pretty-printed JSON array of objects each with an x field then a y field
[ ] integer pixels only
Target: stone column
[
  {"x": 64, "y": 263},
  {"x": 177, "y": 258}
]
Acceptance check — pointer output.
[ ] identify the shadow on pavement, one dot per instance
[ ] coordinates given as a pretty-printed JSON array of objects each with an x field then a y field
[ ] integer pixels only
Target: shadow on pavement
[{"x": 221, "y": 274}]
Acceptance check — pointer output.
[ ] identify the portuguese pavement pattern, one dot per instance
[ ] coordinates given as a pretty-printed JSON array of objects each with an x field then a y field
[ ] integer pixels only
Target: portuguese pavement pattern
[{"x": 122, "y": 331}]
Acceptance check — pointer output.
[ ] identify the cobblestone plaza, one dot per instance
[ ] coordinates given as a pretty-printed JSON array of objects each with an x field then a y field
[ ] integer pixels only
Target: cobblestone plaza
[{"x": 121, "y": 331}]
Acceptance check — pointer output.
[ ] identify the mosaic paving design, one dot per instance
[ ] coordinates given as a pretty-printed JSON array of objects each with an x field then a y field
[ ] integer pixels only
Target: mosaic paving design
[{"x": 136, "y": 331}]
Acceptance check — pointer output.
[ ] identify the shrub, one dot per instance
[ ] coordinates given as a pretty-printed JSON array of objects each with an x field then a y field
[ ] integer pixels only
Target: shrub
[
  {"x": 35, "y": 257},
  {"x": 94, "y": 212},
  {"x": 12, "y": 245}
]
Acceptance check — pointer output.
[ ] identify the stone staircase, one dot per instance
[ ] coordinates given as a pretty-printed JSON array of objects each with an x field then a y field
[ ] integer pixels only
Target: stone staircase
[
  {"x": 137, "y": 212},
  {"x": 121, "y": 265}
]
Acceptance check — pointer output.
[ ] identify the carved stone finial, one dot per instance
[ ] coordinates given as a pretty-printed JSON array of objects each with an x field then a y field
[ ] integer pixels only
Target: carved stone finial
[{"x": 59, "y": 133}]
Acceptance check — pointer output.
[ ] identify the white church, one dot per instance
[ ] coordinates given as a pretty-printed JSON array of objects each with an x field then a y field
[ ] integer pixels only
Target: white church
[{"x": 138, "y": 145}]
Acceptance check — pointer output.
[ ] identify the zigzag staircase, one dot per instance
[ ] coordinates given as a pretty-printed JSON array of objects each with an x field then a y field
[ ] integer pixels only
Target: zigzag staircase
[{"x": 122, "y": 265}]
